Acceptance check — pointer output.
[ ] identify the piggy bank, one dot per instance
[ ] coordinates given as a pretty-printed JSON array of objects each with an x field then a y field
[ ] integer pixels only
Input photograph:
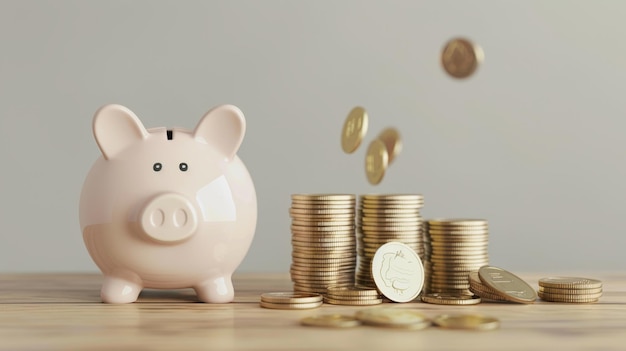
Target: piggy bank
[{"x": 168, "y": 208}]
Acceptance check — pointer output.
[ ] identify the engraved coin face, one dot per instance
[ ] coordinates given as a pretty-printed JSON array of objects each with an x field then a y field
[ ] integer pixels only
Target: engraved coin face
[
  {"x": 507, "y": 284},
  {"x": 391, "y": 138},
  {"x": 460, "y": 57},
  {"x": 354, "y": 129},
  {"x": 376, "y": 161},
  {"x": 398, "y": 272},
  {"x": 466, "y": 321}
]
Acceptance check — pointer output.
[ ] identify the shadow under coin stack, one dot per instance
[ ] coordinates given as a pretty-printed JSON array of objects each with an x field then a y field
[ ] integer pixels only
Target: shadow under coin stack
[
  {"x": 323, "y": 241},
  {"x": 454, "y": 248},
  {"x": 386, "y": 218}
]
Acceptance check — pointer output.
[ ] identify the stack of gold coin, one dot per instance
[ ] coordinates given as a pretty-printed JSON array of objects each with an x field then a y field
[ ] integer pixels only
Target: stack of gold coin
[
  {"x": 484, "y": 291},
  {"x": 323, "y": 241},
  {"x": 290, "y": 301},
  {"x": 453, "y": 249},
  {"x": 499, "y": 284},
  {"x": 352, "y": 296},
  {"x": 570, "y": 289},
  {"x": 386, "y": 218}
]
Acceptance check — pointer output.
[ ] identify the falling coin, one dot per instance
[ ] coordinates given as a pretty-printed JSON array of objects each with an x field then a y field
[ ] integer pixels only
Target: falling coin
[
  {"x": 460, "y": 57},
  {"x": 354, "y": 129},
  {"x": 391, "y": 138},
  {"x": 376, "y": 161}
]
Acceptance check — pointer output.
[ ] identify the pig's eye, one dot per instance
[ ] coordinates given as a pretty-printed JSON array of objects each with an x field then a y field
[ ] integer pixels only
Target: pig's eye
[
  {"x": 183, "y": 167},
  {"x": 157, "y": 166}
]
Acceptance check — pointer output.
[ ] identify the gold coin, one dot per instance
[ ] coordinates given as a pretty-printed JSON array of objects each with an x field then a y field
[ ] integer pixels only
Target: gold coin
[
  {"x": 318, "y": 223},
  {"x": 323, "y": 211},
  {"x": 308, "y": 272},
  {"x": 391, "y": 138},
  {"x": 324, "y": 239},
  {"x": 354, "y": 129},
  {"x": 450, "y": 299},
  {"x": 323, "y": 261},
  {"x": 570, "y": 283},
  {"x": 329, "y": 269},
  {"x": 316, "y": 206},
  {"x": 569, "y": 298},
  {"x": 323, "y": 197},
  {"x": 392, "y": 197},
  {"x": 398, "y": 272},
  {"x": 393, "y": 221},
  {"x": 353, "y": 302},
  {"x": 466, "y": 321},
  {"x": 353, "y": 292},
  {"x": 460, "y": 57},
  {"x": 507, "y": 284},
  {"x": 392, "y": 208},
  {"x": 569, "y": 291},
  {"x": 392, "y": 213},
  {"x": 290, "y": 297},
  {"x": 322, "y": 229},
  {"x": 485, "y": 294},
  {"x": 393, "y": 318},
  {"x": 376, "y": 161},
  {"x": 457, "y": 222},
  {"x": 331, "y": 321},
  {"x": 290, "y": 306},
  {"x": 330, "y": 203},
  {"x": 324, "y": 234},
  {"x": 391, "y": 228}
]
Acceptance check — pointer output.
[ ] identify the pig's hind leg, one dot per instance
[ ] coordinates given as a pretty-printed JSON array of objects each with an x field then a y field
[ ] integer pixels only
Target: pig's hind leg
[
  {"x": 216, "y": 290},
  {"x": 120, "y": 290}
]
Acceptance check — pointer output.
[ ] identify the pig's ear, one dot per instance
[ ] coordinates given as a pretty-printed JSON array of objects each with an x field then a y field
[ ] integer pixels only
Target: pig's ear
[
  {"x": 115, "y": 127},
  {"x": 222, "y": 127}
]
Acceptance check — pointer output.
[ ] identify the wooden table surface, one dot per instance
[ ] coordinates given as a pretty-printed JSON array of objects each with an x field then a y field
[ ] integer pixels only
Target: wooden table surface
[{"x": 64, "y": 312}]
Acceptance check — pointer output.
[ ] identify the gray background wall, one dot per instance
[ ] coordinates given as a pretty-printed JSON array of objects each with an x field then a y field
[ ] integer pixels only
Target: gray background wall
[{"x": 534, "y": 142}]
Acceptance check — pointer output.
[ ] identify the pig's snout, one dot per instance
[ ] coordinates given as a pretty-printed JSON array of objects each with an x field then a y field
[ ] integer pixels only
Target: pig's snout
[{"x": 169, "y": 218}]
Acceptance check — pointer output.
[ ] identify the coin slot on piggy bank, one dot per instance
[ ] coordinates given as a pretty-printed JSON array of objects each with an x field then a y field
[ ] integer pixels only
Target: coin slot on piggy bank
[{"x": 168, "y": 208}]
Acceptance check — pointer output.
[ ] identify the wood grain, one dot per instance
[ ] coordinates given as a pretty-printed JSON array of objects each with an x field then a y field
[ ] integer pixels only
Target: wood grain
[{"x": 64, "y": 312}]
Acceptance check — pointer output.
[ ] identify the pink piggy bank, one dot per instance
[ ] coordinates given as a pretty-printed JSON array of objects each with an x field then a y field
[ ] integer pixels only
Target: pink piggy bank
[{"x": 168, "y": 208}]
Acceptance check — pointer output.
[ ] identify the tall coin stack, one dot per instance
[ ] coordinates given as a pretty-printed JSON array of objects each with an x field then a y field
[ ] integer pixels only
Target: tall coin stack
[
  {"x": 386, "y": 218},
  {"x": 454, "y": 248},
  {"x": 323, "y": 241}
]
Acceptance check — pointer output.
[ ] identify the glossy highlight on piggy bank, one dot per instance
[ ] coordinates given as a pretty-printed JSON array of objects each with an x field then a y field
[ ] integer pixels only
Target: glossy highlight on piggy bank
[{"x": 168, "y": 208}]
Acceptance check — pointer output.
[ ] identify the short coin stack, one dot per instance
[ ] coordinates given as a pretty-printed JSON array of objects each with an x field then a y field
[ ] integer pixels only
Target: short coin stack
[
  {"x": 323, "y": 241},
  {"x": 570, "y": 289},
  {"x": 482, "y": 290},
  {"x": 453, "y": 249},
  {"x": 290, "y": 301},
  {"x": 352, "y": 296},
  {"x": 383, "y": 219}
]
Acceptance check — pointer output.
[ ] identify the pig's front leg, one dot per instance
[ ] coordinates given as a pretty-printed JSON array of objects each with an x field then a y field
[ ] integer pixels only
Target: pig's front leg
[
  {"x": 216, "y": 290},
  {"x": 120, "y": 290}
]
